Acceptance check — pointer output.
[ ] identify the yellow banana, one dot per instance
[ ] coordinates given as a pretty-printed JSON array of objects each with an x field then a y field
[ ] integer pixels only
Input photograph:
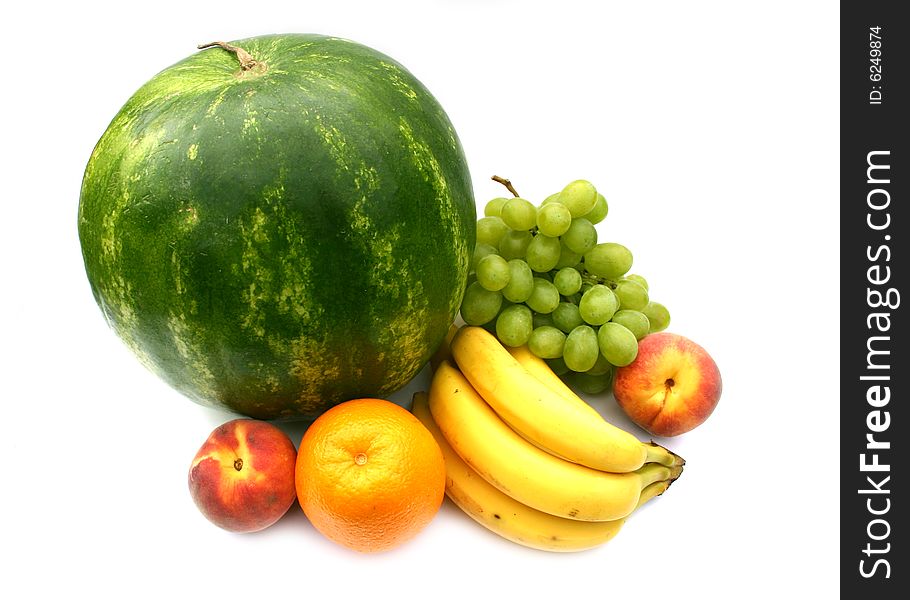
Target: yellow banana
[
  {"x": 508, "y": 518},
  {"x": 532, "y": 407},
  {"x": 541, "y": 371},
  {"x": 524, "y": 472}
]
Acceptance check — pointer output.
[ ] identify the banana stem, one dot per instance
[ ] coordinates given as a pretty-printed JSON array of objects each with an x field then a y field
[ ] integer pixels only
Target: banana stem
[
  {"x": 653, "y": 472},
  {"x": 658, "y": 454},
  {"x": 652, "y": 491}
]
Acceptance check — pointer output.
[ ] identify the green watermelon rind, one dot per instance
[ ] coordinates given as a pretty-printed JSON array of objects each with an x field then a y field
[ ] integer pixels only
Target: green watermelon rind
[{"x": 278, "y": 240}]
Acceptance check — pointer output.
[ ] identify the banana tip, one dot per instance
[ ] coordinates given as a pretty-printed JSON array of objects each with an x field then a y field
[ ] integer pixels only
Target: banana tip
[{"x": 675, "y": 472}]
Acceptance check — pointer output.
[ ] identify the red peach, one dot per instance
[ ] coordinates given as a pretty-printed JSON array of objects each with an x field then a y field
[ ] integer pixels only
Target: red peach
[
  {"x": 242, "y": 478},
  {"x": 671, "y": 387}
]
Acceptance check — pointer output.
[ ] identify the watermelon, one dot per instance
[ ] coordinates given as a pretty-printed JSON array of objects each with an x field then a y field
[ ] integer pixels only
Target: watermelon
[{"x": 279, "y": 224}]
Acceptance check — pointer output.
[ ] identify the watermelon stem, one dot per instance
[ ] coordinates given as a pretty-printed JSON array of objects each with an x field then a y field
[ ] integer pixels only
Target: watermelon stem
[
  {"x": 247, "y": 62},
  {"x": 506, "y": 183}
]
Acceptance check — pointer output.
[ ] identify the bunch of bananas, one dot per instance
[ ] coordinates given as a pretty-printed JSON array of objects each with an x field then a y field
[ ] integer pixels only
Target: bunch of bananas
[{"x": 527, "y": 458}]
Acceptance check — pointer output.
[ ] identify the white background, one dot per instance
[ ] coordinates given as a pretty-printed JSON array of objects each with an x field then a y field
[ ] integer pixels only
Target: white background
[{"x": 712, "y": 129}]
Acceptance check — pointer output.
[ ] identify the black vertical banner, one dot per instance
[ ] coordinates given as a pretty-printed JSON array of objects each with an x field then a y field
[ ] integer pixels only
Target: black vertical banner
[{"x": 875, "y": 110}]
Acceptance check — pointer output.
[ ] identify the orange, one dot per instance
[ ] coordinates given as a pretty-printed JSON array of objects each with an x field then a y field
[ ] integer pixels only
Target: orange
[{"x": 369, "y": 475}]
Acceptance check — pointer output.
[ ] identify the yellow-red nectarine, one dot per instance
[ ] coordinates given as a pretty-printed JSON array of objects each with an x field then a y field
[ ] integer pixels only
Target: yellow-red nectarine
[
  {"x": 671, "y": 387},
  {"x": 242, "y": 478}
]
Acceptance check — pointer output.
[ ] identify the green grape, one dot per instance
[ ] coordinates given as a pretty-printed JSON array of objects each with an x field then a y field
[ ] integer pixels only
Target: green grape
[
  {"x": 542, "y": 253},
  {"x": 638, "y": 279},
  {"x": 567, "y": 258},
  {"x": 479, "y": 305},
  {"x": 580, "y": 350},
  {"x": 601, "y": 366},
  {"x": 481, "y": 250},
  {"x": 658, "y": 316},
  {"x": 633, "y": 320},
  {"x": 543, "y": 320},
  {"x": 547, "y": 342},
  {"x": 558, "y": 365},
  {"x": 599, "y": 212},
  {"x": 544, "y": 298},
  {"x": 553, "y": 219},
  {"x": 514, "y": 325},
  {"x": 608, "y": 260},
  {"x": 617, "y": 344},
  {"x": 632, "y": 296},
  {"x": 566, "y": 317},
  {"x": 490, "y": 230},
  {"x": 580, "y": 237},
  {"x": 598, "y": 305},
  {"x": 521, "y": 281},
  {"x": 519, "y": 214},
  {"x": 514, "y": 244},
  {"x": 592, "y": 384},
  {"x": 493, "y": 272},
  {"x": 550, "y": 198},
  {"x": 493, "y": 208},
  {"x": 567, "y": 280},
  {"x": 579, "y": 197}
]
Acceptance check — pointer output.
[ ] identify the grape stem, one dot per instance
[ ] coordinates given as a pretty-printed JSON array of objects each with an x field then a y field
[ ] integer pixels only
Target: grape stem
[
  {"x": 506, "y": 183},
  {"x": 594, "y": 280}
]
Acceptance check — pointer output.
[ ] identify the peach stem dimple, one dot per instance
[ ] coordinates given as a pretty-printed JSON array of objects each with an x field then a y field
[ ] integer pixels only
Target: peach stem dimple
[{"x": 238, "y": 463}]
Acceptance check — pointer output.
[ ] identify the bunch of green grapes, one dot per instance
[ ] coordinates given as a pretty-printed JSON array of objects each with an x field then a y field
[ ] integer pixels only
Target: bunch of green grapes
[{"x": 539, "y": 277}]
